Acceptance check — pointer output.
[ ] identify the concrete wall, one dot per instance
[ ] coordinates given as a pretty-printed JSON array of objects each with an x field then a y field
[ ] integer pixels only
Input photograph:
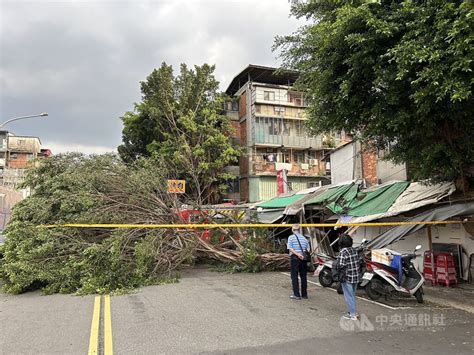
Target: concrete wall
[
  {"x": 342, "y": 164},
  {"x": 24, "y": 144},
  {"x": 455, "y": 234},
  {"x": 8, "y": 199},
  {"x": 387, "y": 171}
]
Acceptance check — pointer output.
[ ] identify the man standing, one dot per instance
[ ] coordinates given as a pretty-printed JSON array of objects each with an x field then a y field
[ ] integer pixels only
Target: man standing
[
  {"x": 348, "y": 262},
  {"x": 297, "y": 245}
]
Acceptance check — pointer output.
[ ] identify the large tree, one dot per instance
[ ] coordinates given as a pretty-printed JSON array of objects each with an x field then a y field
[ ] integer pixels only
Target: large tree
[
  {"x": 398, "y": 73},
  {"x": 180, "y": 122}
]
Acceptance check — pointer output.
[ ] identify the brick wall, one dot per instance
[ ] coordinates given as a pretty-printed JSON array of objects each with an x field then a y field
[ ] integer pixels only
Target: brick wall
[
  {"x": 20, "y": 162},
  {"x": 243, "y": 104},
  {"x": 369, "y": 166},
  {"x": 236, "y": 131},
  {"x": 244, "y": 189},
  {"x": 244, "y": 159}
]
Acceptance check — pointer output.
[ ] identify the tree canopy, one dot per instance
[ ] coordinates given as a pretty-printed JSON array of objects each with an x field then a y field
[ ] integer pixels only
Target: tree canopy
[
  {"x": 397, "y": 73},
  {"x": 180, "y": 121}
]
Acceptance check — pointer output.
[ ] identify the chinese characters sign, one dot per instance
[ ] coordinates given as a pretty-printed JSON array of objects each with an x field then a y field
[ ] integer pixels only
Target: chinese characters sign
[{"x": 176, "y": 186}]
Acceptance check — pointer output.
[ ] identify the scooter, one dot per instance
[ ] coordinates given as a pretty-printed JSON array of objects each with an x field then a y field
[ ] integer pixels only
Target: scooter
[
  {"x": 325, "y": 264},
  {"x": 383, "y": 280},
  {"x": 323, "y": 271}
]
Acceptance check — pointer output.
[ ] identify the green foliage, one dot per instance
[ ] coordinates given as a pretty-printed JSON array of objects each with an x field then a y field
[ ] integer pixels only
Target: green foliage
[
  {"x": 73, "y": 188},
  {"x": 255, "y": 244},
  {"x": 398, "y": 73},
  {"x": 180, "y": 121}
]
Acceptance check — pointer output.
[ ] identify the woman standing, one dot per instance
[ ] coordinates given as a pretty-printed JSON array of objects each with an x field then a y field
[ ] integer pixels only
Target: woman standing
[
  {"x": 297, "y": 245},
  {"x": 348, "y": 264}
]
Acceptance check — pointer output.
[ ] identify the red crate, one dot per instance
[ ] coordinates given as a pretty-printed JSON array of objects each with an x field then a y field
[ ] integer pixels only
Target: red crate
[
  {"x": 447, "y": 279},
  {"x": 445, "y": 270},
  {"x": 445, "y": 260},
  {"x": 429, "y": 266}
]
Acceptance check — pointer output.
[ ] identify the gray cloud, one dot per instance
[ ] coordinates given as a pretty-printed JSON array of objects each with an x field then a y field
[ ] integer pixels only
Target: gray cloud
[{"x": 82, "y": 61}]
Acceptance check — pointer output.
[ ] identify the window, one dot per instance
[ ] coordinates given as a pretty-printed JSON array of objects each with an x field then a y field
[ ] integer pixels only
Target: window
[
  {"x": 269, "y": 96},
  {"x": 233, "y": 186},
  {"x": 274, "y": 126},
  {"x": 280, "y": 111},
  {"x": 299, "y": 127},
  {"x": 299, "y": 157},
  {"x": 284, "y": 157},
  {"x": 13, "y": 156},
  {"x": 286, "y": 128},
  {"x": 29, "y": 157},
  {"x": 235, "y": 106},
  {"x": 295, "y": 98},
  {"x": 258, "y": 109}
]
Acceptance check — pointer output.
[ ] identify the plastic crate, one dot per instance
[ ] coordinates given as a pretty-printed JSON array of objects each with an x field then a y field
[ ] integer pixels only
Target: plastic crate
[
  {"x": 445, "y": 269},
  {"x": 429, "y": 266}
]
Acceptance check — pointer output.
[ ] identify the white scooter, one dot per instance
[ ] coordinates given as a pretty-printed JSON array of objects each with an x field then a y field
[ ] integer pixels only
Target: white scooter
[
  {"x": 325, "y": 263},
  {"x": 380, "y": 279}
]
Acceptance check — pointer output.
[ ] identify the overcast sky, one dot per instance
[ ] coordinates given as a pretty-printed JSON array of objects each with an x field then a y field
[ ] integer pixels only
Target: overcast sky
[{"x": 82, "y": 61}]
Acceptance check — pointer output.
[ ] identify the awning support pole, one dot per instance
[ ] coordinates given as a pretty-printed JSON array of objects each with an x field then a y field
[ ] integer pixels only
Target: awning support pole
[{"x": 430, "y": 241}]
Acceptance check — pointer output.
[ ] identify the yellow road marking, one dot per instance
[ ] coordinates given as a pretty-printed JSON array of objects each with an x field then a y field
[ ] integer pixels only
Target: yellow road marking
[
  {"x": 108, "y": 347},
  {"x": 259, "y": 225},
  {"x": 94, "y": 337}
]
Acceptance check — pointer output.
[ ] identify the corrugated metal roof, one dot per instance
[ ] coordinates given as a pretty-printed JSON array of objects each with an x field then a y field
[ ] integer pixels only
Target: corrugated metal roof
[
  {"x": 280, "y": 202},
  {"x": 261, "y": 74},
  {"x": 376, "y": 201}
]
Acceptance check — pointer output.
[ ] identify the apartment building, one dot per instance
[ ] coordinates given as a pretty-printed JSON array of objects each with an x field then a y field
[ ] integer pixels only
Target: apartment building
[
  {"x": 22, "y": 151},
  {"x": 269, "y": 119}
]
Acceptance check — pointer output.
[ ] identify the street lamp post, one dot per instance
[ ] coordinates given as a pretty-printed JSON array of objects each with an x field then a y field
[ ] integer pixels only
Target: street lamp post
[{"x": 22, "y": 118}]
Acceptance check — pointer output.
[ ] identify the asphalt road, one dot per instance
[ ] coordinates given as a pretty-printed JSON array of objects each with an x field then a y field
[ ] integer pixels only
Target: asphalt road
[{"x": 209, "y": 312}]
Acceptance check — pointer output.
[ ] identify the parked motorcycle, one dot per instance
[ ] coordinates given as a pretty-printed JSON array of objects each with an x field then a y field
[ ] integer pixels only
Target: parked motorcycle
[
  {"x": 325, "y": 264},
  {"x": 383, "y": 280},
  {"x": 323, "y": 271}
]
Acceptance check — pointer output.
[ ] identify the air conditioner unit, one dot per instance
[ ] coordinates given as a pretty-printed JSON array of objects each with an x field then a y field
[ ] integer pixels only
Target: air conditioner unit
[
  {"x": 304, "y": 166},
  {"x": 313, "y": 162}
]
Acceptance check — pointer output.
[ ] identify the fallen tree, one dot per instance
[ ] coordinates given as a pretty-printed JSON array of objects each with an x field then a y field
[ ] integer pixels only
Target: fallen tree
[{"x": 74, "y": 188}]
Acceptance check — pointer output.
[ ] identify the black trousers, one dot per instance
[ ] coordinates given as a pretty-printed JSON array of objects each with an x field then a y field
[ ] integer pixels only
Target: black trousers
[{"x": 299, "y": 267}]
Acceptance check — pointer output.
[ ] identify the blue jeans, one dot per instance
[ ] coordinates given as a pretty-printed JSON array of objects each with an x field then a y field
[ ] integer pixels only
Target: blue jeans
[{"x": 349, "y": 290}]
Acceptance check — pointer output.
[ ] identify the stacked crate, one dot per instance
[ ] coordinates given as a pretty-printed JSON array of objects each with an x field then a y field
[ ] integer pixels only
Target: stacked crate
[
  {"x": 429, "y": 266},
  {"x": 445, "y": 269}
]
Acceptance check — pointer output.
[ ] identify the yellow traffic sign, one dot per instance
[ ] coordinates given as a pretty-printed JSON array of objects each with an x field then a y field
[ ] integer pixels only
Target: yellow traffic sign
[{"x": 176, "y": 186}]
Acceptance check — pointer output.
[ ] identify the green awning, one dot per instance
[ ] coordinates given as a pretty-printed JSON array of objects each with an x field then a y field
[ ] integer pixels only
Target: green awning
[
  {"x": 375, "y": 201},
  {"x": 280, "y": 202},
  {"x": 270, "y": 215},
  {"x": 348, "y": 200},
  {"x": 338, "y": 205},
  {"x": 329, "y": 195}
]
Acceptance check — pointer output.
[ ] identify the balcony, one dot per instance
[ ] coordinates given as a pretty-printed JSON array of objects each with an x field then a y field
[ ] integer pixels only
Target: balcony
[
  {"x": 288, "y": 141},
  {"x": 261, "y": 166},
  {"x": 296, "y": 170}
]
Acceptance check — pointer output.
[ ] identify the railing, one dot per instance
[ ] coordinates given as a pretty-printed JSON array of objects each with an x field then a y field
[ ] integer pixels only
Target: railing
[
  {"x": 290, "y": 141},
  {"x": 263, "y": 164}
]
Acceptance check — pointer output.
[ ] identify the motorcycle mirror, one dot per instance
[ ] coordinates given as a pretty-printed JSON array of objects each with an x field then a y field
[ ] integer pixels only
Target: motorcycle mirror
[{"x": 418, "y": 247}]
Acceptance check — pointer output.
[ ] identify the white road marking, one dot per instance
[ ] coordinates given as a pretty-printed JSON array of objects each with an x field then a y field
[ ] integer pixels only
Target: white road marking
[{"x": 361, "y": 298}]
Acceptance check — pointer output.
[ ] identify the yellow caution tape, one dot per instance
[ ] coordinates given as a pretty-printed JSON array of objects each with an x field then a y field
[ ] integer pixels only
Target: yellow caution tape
[{"x": 259, "y": 225}]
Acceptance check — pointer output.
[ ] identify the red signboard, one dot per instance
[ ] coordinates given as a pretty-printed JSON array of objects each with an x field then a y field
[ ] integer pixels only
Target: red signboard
[{"x": 281, "y": 182}]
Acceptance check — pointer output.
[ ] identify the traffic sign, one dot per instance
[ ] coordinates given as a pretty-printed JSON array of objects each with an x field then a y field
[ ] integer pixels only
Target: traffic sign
[{"x": 176, "y": 186}]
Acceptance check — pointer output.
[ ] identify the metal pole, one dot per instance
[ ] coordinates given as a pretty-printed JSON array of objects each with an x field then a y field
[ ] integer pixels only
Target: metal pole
[{"x": 23, "y": 117}]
